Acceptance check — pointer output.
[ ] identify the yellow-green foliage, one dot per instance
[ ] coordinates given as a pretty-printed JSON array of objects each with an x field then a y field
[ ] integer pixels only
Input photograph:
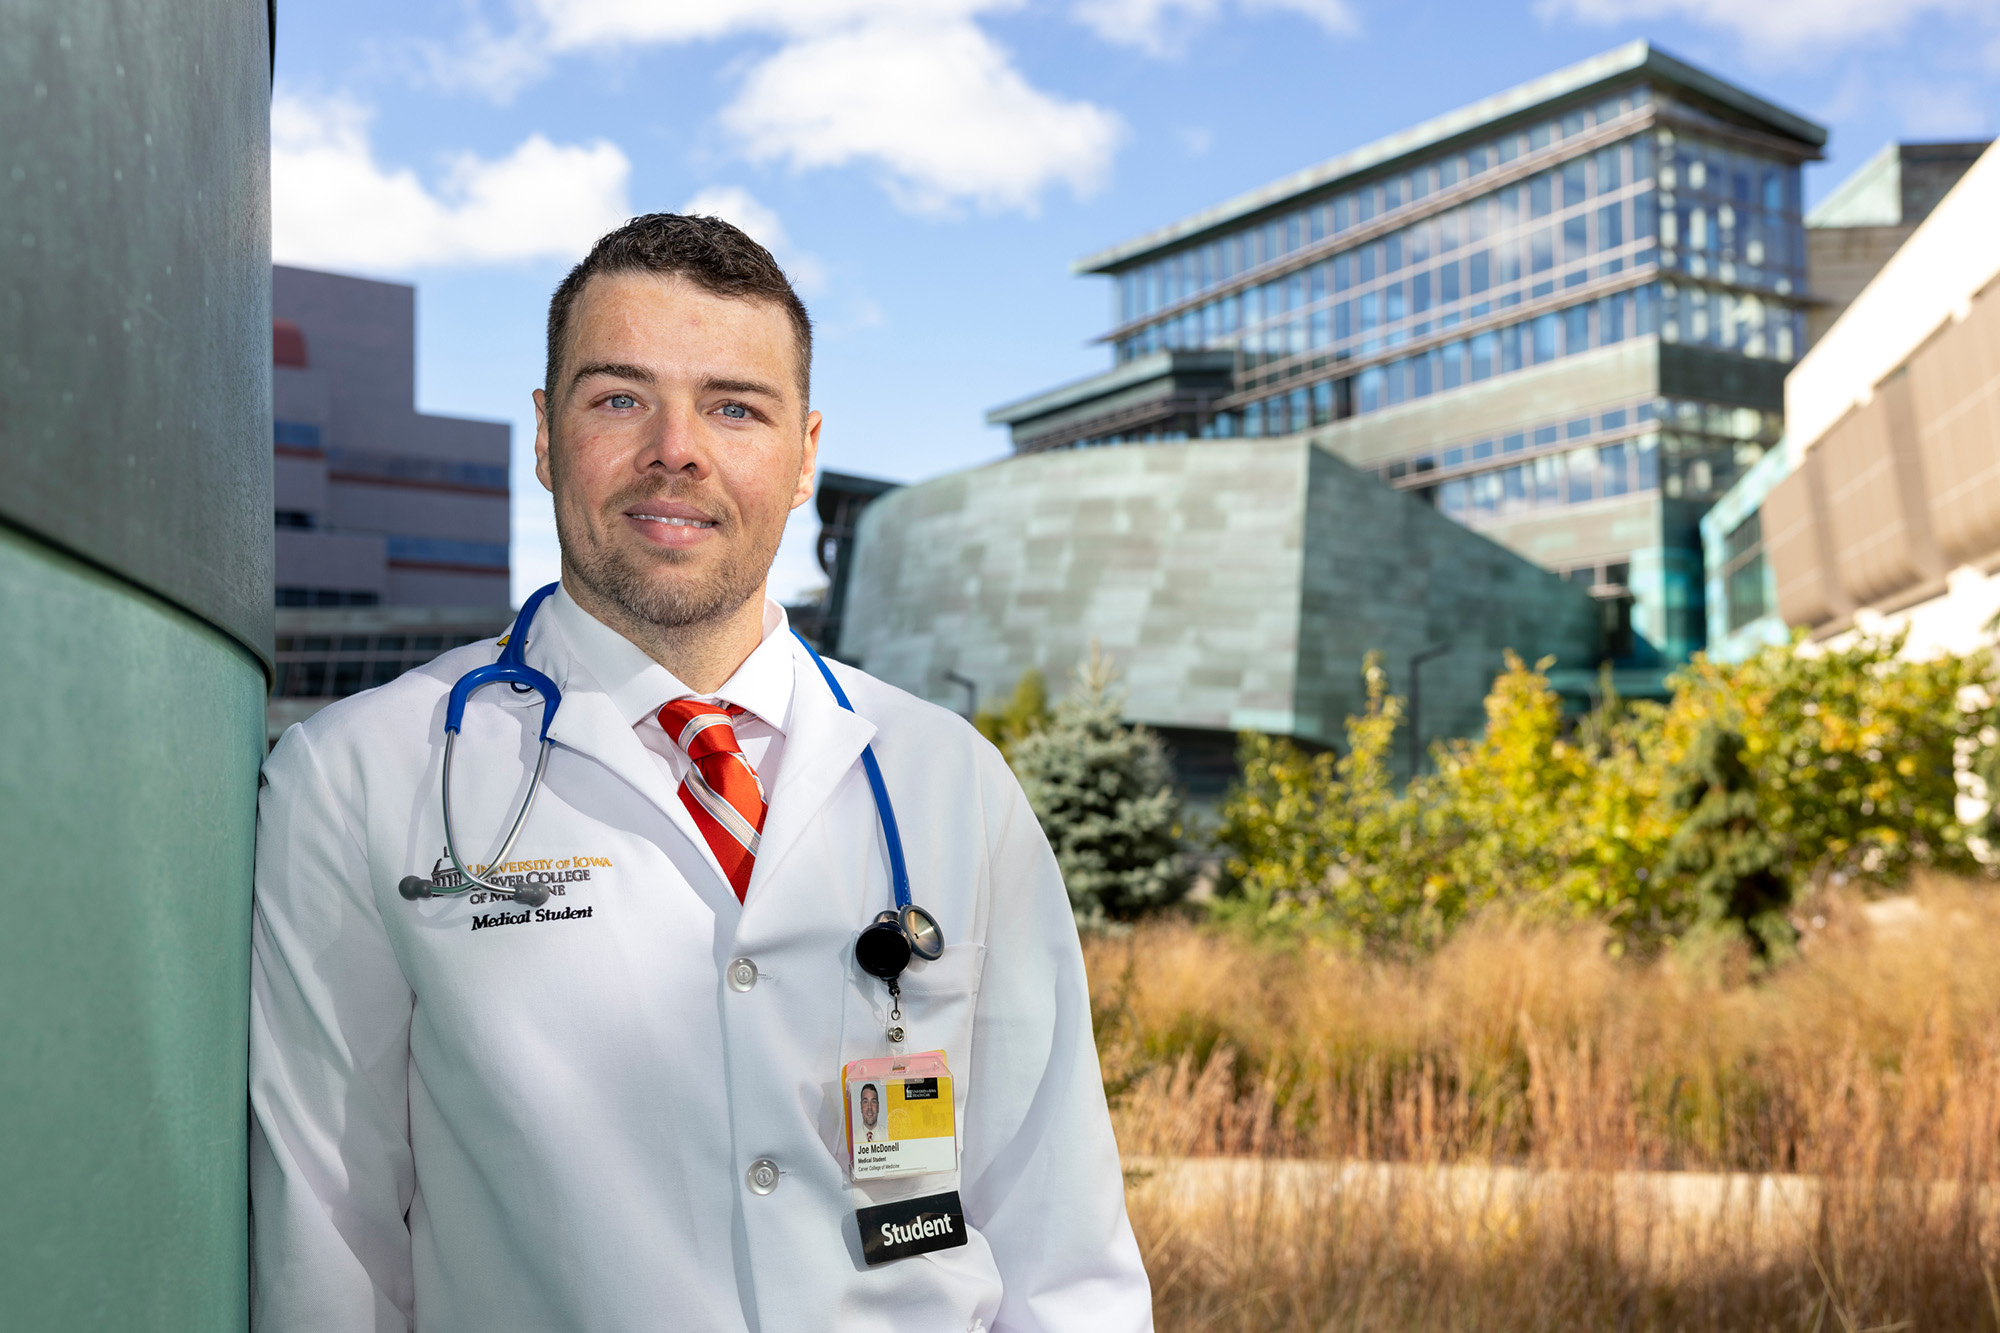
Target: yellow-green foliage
[
  {"x": 1853, "y": 754},
  {"x": 1025, "y": 713}
]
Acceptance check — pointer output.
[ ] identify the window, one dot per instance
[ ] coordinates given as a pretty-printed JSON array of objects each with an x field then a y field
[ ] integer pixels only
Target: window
[
  {"x": 1743, "y": 572},
  {"x": 1582, "y": 475},
  {"x": 1576, "y": 238},
  {"x": 1611, "y": 467},
  {"x": 1541, "y": 195},
  {"x": 1482, "y": 347},
  {"x": 1607, "y": 168},
  {"x": 1576, "y": 186},
  {"x": 1545, "y": 338}
]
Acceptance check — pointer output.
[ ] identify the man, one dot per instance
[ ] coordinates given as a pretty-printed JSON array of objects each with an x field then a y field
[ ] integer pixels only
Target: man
[
  {"x": 871, "y": 1109},
  {"x": 621, "y": 1108}
]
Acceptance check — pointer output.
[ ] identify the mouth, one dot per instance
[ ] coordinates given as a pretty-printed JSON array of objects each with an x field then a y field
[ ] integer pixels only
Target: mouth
[
  {"x": 672, "y": 524},
  {"x": 674, "y": 521}
]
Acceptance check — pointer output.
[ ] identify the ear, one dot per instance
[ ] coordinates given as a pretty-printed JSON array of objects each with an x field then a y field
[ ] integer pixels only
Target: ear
[
  {"x": 808, "y": 462},
  {"x": 542, "y": 473}
]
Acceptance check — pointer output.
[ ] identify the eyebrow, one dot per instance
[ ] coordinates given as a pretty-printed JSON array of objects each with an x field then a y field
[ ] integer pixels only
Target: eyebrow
[
  {"x": 641, "y": 375},
  {"x": 713, "y": 385},
  {"x": 614, "y": 370}
]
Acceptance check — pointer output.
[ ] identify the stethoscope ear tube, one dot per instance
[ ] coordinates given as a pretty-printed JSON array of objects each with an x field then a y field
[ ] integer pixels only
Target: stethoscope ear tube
[
  {"x": 531, "y": 895},
  {"x": 887, "y": 943},
  {"x": 513, "y": 669}
]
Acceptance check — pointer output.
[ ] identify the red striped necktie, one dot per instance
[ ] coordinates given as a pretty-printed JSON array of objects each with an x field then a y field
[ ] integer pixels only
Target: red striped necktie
[{"x": 721, "y": 790}]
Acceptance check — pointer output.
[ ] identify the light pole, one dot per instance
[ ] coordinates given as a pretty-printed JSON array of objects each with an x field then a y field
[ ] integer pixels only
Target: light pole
[
  {"x": 1416, "y": 702},
  {"x": 971, "y": 693}
]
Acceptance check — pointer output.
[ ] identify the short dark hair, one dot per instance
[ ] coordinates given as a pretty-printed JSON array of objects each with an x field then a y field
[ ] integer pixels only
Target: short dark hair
[{"x": 712, "y": 254}]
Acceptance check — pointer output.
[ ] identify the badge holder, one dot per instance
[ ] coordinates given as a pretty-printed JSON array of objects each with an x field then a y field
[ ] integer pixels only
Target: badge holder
[{"x": 902, "y": 1121}]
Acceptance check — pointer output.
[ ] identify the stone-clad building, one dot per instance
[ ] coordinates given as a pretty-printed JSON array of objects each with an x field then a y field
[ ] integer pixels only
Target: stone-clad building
[{"x": 1238, "y": 584}]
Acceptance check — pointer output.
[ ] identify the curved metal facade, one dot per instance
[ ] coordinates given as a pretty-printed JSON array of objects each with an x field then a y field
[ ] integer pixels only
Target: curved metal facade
[{"x": 135, "y": 572}]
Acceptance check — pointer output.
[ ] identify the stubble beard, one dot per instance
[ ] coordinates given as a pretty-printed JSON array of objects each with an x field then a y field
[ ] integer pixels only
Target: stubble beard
[{"x": 644, "y": 585}]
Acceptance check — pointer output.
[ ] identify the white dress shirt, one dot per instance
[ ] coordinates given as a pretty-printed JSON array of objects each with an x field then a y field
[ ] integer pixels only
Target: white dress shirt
[{"x": 637, "y": 686}]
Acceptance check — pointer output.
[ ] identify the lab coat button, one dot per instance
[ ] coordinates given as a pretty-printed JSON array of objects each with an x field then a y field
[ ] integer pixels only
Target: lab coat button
[
  {"x": 742, "y": 974},
  {"x": 763, "y": 1176}
]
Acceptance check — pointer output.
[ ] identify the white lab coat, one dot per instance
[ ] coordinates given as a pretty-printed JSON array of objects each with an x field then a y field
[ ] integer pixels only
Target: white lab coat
[{"x": 547, "y": 1125}]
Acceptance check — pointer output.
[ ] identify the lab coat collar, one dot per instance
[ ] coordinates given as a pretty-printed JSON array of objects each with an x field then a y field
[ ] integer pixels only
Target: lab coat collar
[
  {"x": 592, "y": 723},
  {"x": 822, "y": 749},
  {"x": 636, "y": 685},
  {"x": 823, "y": 741}
]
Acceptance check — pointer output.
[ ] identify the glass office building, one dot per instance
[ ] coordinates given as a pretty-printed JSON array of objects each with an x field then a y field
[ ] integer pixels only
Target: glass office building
[{"x": 1562, "y": 315}]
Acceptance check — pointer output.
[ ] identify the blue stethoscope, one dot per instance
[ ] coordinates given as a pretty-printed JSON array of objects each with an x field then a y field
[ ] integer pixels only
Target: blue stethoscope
[{"x": 885, "y": 945}]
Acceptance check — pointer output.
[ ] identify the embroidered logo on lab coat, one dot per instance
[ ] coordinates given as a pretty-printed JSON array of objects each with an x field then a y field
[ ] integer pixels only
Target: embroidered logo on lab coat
[{"x": 556, "y": 874}]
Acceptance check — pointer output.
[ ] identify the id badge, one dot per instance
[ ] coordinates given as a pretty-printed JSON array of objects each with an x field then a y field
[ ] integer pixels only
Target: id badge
[{"x": 900, "y": 1118}]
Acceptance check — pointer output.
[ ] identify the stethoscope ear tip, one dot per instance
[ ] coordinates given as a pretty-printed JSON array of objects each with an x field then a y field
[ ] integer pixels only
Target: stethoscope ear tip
[
  {"x": 531, "y": 895},
  {"x": 414, "y": 887}
]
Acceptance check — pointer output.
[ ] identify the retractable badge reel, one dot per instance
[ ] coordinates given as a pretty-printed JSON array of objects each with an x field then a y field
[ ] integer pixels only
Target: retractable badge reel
[{"x": 886, "y": 946}]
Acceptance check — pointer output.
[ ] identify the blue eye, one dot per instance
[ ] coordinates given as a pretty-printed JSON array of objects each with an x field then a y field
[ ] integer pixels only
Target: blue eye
[
  {"x": 736, "y": 411},
  {"x": 621, "y": 401}
]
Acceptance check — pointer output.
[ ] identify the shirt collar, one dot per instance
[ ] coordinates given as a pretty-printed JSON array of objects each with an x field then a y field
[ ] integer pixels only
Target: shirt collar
[{"x": 637, "y": 685}]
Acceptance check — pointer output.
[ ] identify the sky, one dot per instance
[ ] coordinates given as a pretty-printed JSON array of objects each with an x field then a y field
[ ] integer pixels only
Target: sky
[{"x": 927, "y": 170}]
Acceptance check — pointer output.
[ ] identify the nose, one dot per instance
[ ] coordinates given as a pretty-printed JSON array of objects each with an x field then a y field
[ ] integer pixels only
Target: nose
[{"x": 676, "y": 443}]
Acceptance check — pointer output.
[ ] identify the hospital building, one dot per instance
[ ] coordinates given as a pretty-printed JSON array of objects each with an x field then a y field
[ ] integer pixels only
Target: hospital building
[
  {"x": 391, "y": 525},
  {"x": 1466, "y": 388}
]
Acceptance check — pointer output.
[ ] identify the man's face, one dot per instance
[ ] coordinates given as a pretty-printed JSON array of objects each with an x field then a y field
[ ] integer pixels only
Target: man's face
[
  {"x": 870, "y": 1106},
  {"x": 676, "y": 445}
]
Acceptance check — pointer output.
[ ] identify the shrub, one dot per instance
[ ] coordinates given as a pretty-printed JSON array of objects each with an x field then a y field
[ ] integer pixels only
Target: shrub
[
  {"x": 1750, "y": 781},
  {"x": 1104, "y": 794},
  {"x": 1025, "y": 713}
]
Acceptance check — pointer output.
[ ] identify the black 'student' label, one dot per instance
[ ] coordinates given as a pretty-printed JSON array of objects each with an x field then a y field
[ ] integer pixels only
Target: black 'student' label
[{"x": 911, "y": 1226}]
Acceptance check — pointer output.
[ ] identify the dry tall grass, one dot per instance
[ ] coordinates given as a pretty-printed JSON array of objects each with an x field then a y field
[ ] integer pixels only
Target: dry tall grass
[{"x": 1869, "y": 1066}]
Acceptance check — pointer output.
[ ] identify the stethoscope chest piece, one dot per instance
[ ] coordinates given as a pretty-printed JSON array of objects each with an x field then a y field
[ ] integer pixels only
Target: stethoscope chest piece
[
  {"x": 896, "y": 935},
  {"x": 923, "y": 932}
]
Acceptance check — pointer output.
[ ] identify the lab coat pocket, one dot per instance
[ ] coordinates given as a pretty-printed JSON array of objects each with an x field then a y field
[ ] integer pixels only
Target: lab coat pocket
[{"x": 938, "y": 1002}]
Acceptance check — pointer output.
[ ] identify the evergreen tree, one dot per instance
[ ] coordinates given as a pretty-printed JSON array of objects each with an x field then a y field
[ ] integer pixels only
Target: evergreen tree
[
  {"x": 1721, "y": 846},
  {"x": 1104, "y": 795}
]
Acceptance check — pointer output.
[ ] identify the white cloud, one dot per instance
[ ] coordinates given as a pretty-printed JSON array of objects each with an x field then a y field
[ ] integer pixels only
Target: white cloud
[
  {"x": 915, "y": 90},
  {"x": 734, "y": 204},
  {"x": 1940, "y": 110},
  {"x": 1163, "y": 28},
  {"x": 333, "y": 204},
  {"x": 1772, "y": 25},
  {"x": 573, "y": 24},
  {"x": 934, "y": 106}
]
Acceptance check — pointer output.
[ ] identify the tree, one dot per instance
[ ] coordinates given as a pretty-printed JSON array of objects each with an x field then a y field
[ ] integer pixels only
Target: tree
[
  {"x": 1734, "y": 866},
  {"x": 1025, "y": 713},
  {"x": 1753, "y": 780},
  {"x": 1104, "y": 794}
]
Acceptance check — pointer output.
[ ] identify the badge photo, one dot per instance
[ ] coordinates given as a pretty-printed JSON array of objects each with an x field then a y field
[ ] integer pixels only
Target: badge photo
[{"x": 900, "y": 1117}]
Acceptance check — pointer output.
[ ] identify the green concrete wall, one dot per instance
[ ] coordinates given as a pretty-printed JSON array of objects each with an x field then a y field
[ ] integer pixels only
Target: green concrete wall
[
  {"x": 135, "y": 594},
  {"x": 127, "y": 810}
]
